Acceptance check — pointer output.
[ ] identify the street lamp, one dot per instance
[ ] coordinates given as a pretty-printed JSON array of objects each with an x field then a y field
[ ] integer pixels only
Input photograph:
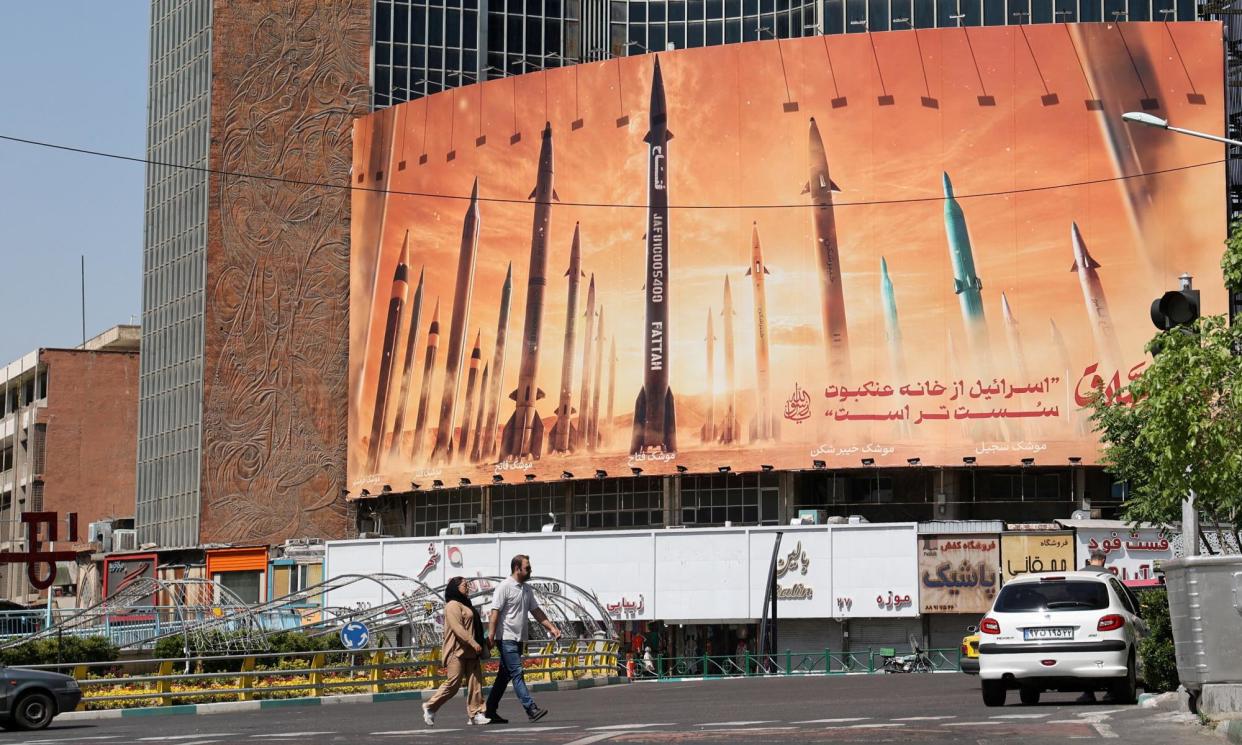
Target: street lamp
[{"x": 1138, "y": 117}]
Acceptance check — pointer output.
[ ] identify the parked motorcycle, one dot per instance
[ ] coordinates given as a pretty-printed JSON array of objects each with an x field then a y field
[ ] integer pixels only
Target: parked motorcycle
[{"x": 915, "y": 662}]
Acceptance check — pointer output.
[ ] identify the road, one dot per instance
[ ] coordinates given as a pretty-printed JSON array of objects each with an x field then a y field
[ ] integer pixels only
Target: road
[{"x": 939, "y": 708}]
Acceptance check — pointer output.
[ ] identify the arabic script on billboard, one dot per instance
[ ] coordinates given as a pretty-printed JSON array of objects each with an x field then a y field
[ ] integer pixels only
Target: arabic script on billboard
[
  {"x": 746, "y": 255},
  {"x": 959, "y": 574}
]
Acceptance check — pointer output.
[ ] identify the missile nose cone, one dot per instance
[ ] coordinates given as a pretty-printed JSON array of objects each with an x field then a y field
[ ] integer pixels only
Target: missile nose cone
[
  {"x": 947, "y": 184},
  {"x": 547, "y": 130},
  {"x": 883, "y": 266}
]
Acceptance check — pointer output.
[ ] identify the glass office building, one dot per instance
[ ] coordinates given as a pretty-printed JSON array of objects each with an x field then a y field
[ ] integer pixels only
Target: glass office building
[{"x": 426, "y": 46}]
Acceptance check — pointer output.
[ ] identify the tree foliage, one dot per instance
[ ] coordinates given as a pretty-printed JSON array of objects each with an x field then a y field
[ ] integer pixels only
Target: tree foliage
[
  {"x": 1178, "y": 426},
  {"x": 1231, "y": 262},
  {"x": 66, "y": 650},
  {"x": 1156, "y": 649}
]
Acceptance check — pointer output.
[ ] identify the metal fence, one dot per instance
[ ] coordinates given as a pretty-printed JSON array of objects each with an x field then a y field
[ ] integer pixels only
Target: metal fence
[
  {"x": 820, "y": 662},
  {"x": 252, "y": 677},
  {"x": 137, "y": 630}
]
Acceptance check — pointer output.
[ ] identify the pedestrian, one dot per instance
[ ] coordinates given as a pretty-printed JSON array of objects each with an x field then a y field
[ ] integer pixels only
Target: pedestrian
[
  {"x": 513, "y": 604},
  {"x": 649, "y": 668},
  {"x": 463, "y": 649},
  {"x": 1095, "y": 562}
]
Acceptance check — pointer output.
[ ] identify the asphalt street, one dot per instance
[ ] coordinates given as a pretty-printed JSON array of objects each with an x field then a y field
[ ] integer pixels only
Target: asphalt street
[{"x": 932, "y": 708}]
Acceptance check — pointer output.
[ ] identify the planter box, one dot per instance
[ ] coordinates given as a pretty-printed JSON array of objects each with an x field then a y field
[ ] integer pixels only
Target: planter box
[{"x": 1205, "y": 607}]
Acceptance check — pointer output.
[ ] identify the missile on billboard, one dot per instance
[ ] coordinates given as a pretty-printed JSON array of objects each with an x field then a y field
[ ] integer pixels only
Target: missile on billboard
[
  {"x": 392, "y": 331},
  {"x": 1014, "y": 337},
  {"x": 584, "y": 398},
  {"x": 708, "y": 432},
  {"x": 966, "y": 283},
  {"x": 764, "y": 425},
  {"x": 523, "y": 433},
  {"x": 1097, "y": 306},
  {"x": 892, "y": 332},
  {"x": 488, "y": 448},
  {"x": 476, "y": 452},
  {"x": 612, "y": 382},
  {"x": 655, "y": 417},
  {"x": 476, "y": 356},
  {"x": 592, "y": 437},
  {"x": 561, "y": 437},
  {"x": 407, "y": 367},
  {"x": 892, "y": 327},
  {"x": 424, "y": 387},
  {"x": 832, "y": 293},
  {"x": 1072, "y": 412},
  {"x": 442, "y": 450},
  {"x": 728, "y": 430}
]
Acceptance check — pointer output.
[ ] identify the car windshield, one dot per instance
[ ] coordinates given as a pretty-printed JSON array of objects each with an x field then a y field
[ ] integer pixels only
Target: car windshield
[{"x": 1052, "y": 596}]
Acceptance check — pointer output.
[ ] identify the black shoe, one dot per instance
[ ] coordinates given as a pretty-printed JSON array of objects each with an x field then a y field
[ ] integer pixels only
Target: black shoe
[
  {"x": 495, "y": 718},
  {"x": 535, "y": 714}
]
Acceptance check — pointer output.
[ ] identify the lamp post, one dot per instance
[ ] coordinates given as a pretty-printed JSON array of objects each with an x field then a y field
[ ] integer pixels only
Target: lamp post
[{"x": 1138, "y": 117}]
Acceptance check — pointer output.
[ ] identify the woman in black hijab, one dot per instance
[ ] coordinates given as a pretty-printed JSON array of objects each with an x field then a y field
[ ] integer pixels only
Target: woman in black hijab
[{"x": 462, "y": 654}]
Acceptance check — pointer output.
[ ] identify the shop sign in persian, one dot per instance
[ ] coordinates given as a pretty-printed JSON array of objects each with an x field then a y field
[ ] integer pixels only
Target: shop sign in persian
[{"x": 958, "y": 573}]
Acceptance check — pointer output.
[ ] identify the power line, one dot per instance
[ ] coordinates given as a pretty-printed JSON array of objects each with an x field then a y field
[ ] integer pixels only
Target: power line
[{"x": 502, "y": 200}]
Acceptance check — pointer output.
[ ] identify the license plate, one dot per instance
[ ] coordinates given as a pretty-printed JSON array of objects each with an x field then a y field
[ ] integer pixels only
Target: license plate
[{"x": 1048, "y": 632}]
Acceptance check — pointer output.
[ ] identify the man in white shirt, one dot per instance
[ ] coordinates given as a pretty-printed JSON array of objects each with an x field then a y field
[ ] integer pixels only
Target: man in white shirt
[{"x": 513, "y": 603}]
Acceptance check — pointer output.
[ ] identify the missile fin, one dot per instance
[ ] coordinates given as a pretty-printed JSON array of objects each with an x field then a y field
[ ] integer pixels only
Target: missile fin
[
  {"x": 538, "y": 393},
  {"x": 748, "y": 271},
  {"x": 513, "y": 396},
  {"x": 959, "y": 286},
  {"x": 536, "y": 436},
  {"x": 506, "y": 437},
  {"x": 832, "y": 186},
  {"x": 765, "y": 269},
  {"x": 670, "y": 423},
  {"x": 532, "y": 192},
  {"x": 640, "y": 421},
  {"x": 556, "y": 197},
  {"x": 806, "y": 187}
]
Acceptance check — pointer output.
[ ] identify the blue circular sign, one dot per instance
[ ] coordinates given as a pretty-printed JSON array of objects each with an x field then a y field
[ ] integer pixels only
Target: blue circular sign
[{"x": 355, "y": 635}]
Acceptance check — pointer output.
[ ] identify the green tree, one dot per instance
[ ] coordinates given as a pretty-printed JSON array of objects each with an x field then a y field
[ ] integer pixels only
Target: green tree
[{"x": 1177, "y": 426}]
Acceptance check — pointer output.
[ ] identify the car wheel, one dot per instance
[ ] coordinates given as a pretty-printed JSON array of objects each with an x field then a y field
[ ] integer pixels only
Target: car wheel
[
  {"x": 1125, "y": 690},
  {"x": 1029, "y": 696},
  {"x": 993, "y": 693},
  {"x": 34, "y": 711}
]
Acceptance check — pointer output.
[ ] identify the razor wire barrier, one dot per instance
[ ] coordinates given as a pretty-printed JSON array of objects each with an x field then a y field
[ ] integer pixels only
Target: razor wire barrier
[{"x": 211, "y": 620}]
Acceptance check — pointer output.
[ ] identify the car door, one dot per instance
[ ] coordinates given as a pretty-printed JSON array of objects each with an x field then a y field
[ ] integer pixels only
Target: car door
[
  {"x": 1134, "y": 619},
  {"x": 4, "y": 691}
]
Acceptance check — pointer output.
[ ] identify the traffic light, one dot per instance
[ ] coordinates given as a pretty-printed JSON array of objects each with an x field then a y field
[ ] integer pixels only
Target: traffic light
[{"x": 1176, "y": 307}]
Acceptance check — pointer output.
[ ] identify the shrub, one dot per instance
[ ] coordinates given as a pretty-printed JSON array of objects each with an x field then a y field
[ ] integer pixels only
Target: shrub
[
  {"x": 1159, "y": 660},
  {"x": 68, "y": 650}
]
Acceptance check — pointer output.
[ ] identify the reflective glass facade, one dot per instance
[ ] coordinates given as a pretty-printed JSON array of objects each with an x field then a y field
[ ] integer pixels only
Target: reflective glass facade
[
  {"x": 170, "y": 385},
  {"x": 426, "y": 47}
]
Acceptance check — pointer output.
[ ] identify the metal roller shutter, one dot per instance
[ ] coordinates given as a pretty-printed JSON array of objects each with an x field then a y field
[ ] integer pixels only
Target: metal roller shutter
[
  {"x": 809, "y": 637},
  {"x": 875, "y": 633},
  {"x": 946, "y": 630}
]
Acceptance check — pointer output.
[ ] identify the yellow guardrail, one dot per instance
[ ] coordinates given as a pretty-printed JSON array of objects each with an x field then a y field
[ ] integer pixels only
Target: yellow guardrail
[{"x": 253, "y": 677}]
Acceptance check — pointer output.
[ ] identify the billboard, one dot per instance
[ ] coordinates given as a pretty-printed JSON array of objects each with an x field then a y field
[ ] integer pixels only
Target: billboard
[
  {"x": 1130, "y": 552},
  {"x": 959, "y": 573},
  {"x": 1024, "y": 553},
  {"x": 879, "y": 246}
]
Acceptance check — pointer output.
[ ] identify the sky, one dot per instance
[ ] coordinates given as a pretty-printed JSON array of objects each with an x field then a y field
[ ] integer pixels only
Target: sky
[
  {"x": 736, "y": 142},
  {"x": 73, "y": 73}
]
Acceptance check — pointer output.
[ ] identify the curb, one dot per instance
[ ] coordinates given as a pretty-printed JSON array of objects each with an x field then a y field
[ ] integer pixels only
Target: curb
[
  {"x": 234, "y": 707},
  {"x": 1231, "y": 730}
]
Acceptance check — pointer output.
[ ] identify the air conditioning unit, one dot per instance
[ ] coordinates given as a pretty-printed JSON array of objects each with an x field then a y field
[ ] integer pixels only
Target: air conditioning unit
[
  {"x": 101, "y": 533},
  {"x": 469, "y": 527},
  {"x": 124, "y": 540}
]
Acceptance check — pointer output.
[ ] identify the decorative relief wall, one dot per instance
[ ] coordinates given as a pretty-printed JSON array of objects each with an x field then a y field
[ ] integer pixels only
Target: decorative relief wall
[{"x": 288, "y": 80}]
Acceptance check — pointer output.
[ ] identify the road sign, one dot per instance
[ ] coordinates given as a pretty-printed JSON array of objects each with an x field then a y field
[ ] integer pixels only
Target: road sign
[{"x": 355, "y": 636}]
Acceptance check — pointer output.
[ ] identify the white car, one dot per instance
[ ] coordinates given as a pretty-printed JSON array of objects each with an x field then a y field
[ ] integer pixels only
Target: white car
[{"x": 1070, "y": 631}]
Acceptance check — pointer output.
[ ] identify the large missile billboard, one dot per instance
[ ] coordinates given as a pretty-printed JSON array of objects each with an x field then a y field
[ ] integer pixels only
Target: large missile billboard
[{"x": 974, "y": 185}]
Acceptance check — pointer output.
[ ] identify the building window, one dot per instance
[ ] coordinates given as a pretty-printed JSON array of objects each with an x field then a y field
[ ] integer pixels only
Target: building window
[
  {"x": 246, "y": 586},
  {"x": 738, "y": 499},
  {"x": 619, "y": 503},
  {"x": 527, "y": 508},
  {"x": 437, "y": 509}
]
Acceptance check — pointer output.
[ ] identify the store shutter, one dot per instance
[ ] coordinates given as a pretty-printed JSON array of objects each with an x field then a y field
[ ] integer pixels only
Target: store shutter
[
  {"x": 875, "y": 633},
  {"x": 946, "y": 630},
  {"x": 806, "y": 639}
]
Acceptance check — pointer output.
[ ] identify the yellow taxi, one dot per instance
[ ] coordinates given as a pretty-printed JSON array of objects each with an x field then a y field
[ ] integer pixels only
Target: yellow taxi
[{"x": 969, "y": 661}]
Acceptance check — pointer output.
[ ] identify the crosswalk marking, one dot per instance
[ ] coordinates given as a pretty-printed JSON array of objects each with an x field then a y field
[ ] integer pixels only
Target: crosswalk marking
[
  {"x": 922, "y": 719},
  {"x": 736, "y": 724},
  {"x": 1020, "y": 716},
  {"x": 833, "y": 721},
  {"x": 621, "y": 727}
]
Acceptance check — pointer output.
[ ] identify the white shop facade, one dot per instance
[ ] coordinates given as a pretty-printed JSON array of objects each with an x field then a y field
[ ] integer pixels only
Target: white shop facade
[{"x": 687, "y": 591}]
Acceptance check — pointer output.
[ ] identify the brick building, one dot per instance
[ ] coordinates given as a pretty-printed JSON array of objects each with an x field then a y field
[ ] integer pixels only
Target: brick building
[{"x": 68, "y": 428}]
